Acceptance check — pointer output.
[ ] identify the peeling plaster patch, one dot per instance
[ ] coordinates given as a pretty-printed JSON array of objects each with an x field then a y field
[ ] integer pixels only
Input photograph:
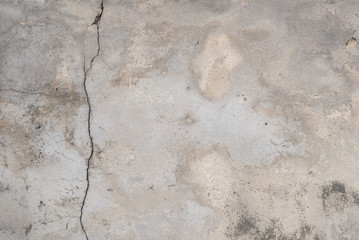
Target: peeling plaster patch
[{"x": 213, "y": 66}]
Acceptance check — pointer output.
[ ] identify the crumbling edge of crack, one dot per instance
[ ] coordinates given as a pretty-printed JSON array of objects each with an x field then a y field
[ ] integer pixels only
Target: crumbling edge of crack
[{"x": 97, "y": 24}]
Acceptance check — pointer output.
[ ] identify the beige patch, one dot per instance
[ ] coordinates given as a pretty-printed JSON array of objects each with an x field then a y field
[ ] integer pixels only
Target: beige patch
[
  {"x": 262, "y": 109},
  {"x": 218, "y": 81},
  {"x": 211, "y": 176},
  {"x": 343, "y": 112},
  {"x": 128, "y": 78},
  {"x": 2, "y": 123},
  {"x": 213, "y": 66},
  {"x": 62, "y": 82},
  {"x": 351, "y": 42}
]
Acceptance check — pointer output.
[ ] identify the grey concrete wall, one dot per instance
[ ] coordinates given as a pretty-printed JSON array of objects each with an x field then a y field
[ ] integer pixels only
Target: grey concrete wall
[{"x": 180, "y": 120}]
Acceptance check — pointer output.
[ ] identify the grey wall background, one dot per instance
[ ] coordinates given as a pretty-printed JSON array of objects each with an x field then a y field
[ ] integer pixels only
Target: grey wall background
[{"x": 234, "y": 119}]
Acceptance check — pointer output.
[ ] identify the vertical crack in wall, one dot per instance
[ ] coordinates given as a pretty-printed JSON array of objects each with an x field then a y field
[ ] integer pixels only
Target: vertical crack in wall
[{"x": 97, "y": 24}]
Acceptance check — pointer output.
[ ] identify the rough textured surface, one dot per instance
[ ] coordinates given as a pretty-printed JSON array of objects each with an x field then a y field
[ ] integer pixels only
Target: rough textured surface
[{"x": 155, "y": 119}]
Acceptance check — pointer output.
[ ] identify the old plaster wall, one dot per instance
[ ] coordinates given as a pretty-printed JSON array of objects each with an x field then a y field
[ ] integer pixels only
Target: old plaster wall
[{"x": 154, "y": 119}]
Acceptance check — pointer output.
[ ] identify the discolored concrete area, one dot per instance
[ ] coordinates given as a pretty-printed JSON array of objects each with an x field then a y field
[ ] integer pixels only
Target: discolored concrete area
[{"x": 183, "y": 120}]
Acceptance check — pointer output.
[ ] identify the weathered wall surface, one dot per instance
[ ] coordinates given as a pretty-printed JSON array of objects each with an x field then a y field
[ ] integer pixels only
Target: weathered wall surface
[{"x": 217, "y": 120}]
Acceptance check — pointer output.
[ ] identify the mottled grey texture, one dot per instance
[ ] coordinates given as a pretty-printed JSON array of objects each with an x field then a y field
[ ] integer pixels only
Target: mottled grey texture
[{"x": 218, "y": 120}]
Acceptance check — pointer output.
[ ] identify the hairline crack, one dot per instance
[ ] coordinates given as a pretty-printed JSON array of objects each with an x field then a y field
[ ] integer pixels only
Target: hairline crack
[{"x": 97, "y": 23}]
